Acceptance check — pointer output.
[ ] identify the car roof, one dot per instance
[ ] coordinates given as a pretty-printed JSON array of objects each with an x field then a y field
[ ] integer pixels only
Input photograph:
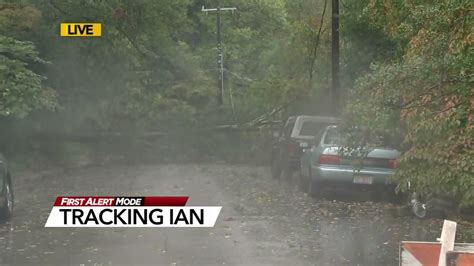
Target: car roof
[
  {"x": 293, "y": 119},
  {"x": 305, "y": 118},
  {"x": 317, "y": 118}
]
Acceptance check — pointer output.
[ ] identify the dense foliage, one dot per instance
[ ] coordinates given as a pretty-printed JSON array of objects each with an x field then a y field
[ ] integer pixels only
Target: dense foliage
[
  {"x": 21, "y": 89},
  {"x": 425, "y": 95}
]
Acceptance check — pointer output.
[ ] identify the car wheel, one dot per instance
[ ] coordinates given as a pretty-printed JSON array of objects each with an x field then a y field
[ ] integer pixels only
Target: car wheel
[
  {"x": 276, "y": 170},
  {"x": 419, "y": 209},
  {"x": 314, "y": 187},
  {"x": 7, "y": 210}
]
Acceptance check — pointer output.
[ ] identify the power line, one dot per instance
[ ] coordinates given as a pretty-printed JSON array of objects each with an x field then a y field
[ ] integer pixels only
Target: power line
[{"x": 220, "y": 56}]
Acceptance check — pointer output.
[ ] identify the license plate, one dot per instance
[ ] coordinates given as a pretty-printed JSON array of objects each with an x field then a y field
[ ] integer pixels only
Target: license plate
[{"x": 367, "y": 180}]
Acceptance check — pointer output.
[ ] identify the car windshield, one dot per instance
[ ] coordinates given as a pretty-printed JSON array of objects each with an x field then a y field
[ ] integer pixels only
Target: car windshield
[{"x": 310, "y": 128}]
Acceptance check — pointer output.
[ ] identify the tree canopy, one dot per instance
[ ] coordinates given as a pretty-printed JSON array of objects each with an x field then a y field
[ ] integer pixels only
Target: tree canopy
[{"x": 425, "y": 94}]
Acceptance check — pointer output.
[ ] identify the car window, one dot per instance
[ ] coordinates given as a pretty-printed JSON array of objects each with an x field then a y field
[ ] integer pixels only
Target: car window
[
  {"x": 380, "y": 138},
  {"x": 333, "y": 136},
  {"x": 289, "y": 128},
  {"x": 310, "y": 128}
]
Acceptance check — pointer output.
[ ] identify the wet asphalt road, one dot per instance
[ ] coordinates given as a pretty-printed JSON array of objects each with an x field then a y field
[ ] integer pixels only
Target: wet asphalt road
[{"x": 263, "y": 221}]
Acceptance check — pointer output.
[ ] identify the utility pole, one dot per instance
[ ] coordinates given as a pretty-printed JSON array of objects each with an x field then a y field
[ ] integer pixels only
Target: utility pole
[
  {"x": 334, "y": 93},
  {"x": 220, "y": 55}
]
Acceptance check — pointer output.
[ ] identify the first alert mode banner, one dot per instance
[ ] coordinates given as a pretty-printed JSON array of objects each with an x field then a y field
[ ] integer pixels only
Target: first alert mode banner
[{"x": 130, "y": 212}]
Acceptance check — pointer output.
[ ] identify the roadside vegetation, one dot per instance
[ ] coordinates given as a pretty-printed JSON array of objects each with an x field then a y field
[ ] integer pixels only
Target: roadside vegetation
[{"x": 148, "y": 86}]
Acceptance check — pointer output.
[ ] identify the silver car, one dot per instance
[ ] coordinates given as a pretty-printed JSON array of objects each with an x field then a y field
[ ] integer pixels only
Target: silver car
[
  {"x": 292, "y": 139},
  {"x": 324, "y": 162}
]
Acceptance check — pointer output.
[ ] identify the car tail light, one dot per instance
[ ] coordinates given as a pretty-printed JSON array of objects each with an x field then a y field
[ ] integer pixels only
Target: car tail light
[
  {"x": 292, "y": 146},
  {"x": 392, "y": 163},
  {"x": 329, "y": 159}
]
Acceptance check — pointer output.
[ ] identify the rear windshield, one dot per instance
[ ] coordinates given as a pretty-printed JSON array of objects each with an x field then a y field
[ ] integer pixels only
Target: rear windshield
[
  {"x": 333, "y": 136},
  {"x": 310, "y": 128}
]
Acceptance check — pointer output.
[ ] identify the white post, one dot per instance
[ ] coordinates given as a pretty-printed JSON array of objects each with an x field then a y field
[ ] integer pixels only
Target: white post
[{"x": 448, "y": 236}]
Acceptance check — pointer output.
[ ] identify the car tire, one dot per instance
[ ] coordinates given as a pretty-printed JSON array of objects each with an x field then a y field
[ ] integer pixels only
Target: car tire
[
  {"x": 6, "y": 211},
  {"x": 276, "y": 170},
  {"x": 314, "y": 187},
  {"x": 419, "y": 206},
  {"x": 420, "y": 210}
]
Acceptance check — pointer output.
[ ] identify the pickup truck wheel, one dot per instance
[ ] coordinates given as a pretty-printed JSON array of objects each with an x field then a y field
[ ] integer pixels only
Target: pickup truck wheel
[
  {"x": 7, "y": 209},
  {"x": 276, "y": 170}
]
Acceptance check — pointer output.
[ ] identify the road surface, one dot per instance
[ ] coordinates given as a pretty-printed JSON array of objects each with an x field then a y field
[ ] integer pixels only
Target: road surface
[{"x": 263, "y": 221}]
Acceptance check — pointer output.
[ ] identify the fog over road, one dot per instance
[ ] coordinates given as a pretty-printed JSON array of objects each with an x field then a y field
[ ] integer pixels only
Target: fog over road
[{"x": 263, "y": 221}]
